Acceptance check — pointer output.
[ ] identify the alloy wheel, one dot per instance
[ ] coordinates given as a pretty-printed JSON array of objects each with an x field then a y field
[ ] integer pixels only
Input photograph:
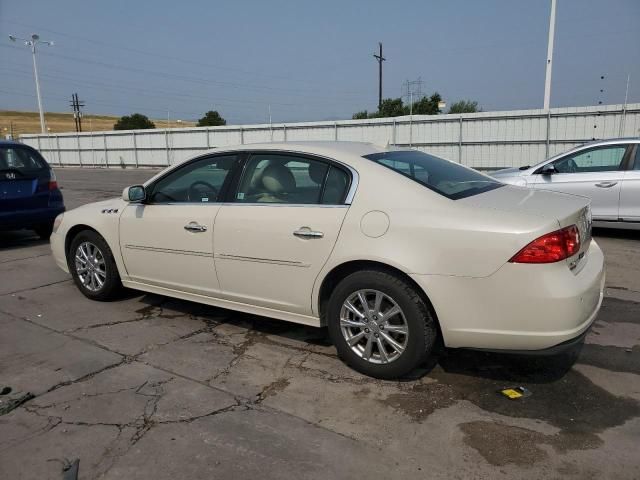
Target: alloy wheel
[
  {"x": 90, "y": 266},
  {"x": 374, "y": 326}
]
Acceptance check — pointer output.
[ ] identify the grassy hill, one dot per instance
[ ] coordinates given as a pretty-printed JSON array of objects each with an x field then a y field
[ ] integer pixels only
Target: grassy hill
[{"x": 29, "y": 122}]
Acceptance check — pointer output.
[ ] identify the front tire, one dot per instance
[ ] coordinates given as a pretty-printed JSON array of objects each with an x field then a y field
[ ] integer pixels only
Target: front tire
[
  {"x": 380, "y": 325},
  {"x": 93, "y": 267}
]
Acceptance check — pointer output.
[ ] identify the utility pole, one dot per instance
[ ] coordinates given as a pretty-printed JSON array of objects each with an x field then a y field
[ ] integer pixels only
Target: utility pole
[
  {"x": 380, "y": 59},
  {"x": 77, "y": 113},
  {"x": 35, "y": 40},
  {"x": 547, "y": 80}
]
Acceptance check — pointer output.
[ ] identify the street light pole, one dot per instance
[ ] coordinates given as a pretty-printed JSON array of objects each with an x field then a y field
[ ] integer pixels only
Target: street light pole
[
  {"x": 35, "y": 40},
  {"x": 547, "y": 80}
]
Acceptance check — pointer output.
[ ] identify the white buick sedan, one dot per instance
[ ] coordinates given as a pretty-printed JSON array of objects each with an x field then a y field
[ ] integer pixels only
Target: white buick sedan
[{"x": 392, "y": 249}]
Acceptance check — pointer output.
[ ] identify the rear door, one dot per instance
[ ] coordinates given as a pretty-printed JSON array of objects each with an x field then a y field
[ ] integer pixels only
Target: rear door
[
  {"x": 272, "y": 241},
  {"x": 596, "y": 173},
  {"x": 24, "y": 179},
  {"x": 630, "y": 190}
]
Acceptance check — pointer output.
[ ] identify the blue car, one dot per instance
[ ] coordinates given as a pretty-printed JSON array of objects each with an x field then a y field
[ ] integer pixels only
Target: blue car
[{"x": 29, "y": 194}]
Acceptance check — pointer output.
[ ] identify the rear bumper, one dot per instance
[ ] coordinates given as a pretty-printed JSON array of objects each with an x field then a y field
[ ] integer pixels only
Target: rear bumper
[
  {"x": 18, "y": 219},
  {"x": 521, "y": 307}
]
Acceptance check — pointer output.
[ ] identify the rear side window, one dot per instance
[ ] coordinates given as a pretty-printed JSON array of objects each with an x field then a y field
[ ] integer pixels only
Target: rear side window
[
  {"x": 24, "y": 161},
  {"x": 442, "y": 176},
  {"x": 637, "y": 160},
  {"x": 291, "y": 179}
]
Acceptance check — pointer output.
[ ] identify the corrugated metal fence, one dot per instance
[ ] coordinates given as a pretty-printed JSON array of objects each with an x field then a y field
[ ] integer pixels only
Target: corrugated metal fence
[{"x": 484, "y": 140}]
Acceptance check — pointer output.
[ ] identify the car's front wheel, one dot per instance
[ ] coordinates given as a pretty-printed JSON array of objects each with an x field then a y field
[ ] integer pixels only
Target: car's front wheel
[
  {"x": 381, "y": 326},
  {"x": 93, "y": 267}
]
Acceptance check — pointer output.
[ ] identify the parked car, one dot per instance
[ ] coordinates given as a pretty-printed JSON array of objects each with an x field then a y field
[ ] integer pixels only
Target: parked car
[
  {"x": 390, "y": 248},
  {"x": 29, "y": 194},
  {"x": 607, "y": 171}
]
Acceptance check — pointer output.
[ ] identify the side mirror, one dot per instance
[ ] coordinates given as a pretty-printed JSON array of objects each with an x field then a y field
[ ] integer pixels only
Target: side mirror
[
  {"x": 134, "y": 194},
  {"x": 548, "y": 169}
]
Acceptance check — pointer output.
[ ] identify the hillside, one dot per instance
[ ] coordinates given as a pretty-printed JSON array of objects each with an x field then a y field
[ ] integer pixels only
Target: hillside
[{"x": 29, "y": 122}]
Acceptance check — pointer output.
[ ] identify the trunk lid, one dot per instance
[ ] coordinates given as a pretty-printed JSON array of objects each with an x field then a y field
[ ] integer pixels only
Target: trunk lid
[
  {"x": 564, "y": 208},
  {"x": 23, "y": 191}
]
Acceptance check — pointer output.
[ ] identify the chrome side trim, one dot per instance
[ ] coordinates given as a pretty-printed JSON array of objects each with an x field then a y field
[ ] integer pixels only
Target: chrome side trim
[
  {"x": 241, "y": 258},
  {"x": 169, "y": 250}
]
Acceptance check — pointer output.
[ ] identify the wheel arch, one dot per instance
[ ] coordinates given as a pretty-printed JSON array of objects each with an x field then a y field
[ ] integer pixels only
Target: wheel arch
[
  {"x": 73, "y": 232},
  {"x": 341, "y": 271}
]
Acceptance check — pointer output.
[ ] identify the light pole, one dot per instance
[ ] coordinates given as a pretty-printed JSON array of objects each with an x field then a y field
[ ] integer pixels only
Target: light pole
[
  {"x": 35, "y": 40},
  {"x": 547, "y": 80}
]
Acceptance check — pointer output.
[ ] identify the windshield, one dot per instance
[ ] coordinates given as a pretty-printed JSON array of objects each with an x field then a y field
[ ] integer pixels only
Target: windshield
[
  {"x": 442, "y": 176},
  {"x": 21, "y": 160}
]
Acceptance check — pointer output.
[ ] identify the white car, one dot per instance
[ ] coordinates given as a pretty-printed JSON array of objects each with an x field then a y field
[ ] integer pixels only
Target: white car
[
  {"x": 390, "y": 248},
  {"x": 606, "y": 171}
]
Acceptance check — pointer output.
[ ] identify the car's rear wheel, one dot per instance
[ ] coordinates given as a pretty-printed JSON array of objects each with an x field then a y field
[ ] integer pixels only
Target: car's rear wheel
[
  {"x": 44, "y": 230},
  {"x": 380, "y": 325},
  {"x": 93, "y": 267}
]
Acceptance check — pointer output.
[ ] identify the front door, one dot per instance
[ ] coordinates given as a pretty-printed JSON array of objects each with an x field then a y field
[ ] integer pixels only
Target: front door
[
  {"x": 272, "y": 241},
  {"x": 596, "y": 173},
  {"x": 168, "y": 240}
]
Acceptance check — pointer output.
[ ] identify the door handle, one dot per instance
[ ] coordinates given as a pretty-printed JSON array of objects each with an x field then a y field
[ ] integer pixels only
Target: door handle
[
  {"x": 606, "y": 184},
  {"x": 195, "y": 227},
  {"x": 306, "y": 232}
]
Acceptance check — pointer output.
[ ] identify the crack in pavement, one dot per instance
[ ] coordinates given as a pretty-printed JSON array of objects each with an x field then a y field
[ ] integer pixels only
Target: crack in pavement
[{"x": 35, "y": 288}]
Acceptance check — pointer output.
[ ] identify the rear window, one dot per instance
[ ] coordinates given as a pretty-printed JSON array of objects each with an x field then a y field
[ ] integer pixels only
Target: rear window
[
  {"x": 442, "y": 176},
  {"x": 21, "y": 160}
]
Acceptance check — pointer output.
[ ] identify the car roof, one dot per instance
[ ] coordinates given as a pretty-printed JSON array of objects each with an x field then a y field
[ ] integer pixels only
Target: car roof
[
  {"x": 328, "y": 148},
  {"x": 12, "y": 143}
]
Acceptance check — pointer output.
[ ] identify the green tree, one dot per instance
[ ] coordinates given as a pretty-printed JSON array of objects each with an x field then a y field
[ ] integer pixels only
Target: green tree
[
  {"x": 360, "y": 115},
  {"x": 211, "y": 119},
  {"x": 391, "y": 107},
  {"x": 137, "y": 121},
  {"x": 427, "y": 105},
  {"x": 465, "y": 106}
]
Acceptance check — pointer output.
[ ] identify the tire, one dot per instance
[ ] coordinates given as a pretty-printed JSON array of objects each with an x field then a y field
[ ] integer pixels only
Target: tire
[
  {"x": 107, "y": 285},
  {"x": 415, "y": 318},
  {"x": 44, "y": 231}
]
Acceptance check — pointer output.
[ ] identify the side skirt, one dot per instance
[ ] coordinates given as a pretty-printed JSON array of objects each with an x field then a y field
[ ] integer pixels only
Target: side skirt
[{"x": 216, "y": 302}]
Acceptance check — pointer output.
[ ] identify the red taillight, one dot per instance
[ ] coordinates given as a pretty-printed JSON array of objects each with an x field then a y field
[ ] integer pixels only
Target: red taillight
[
  {"x": 53, "y": 183},
  {"x": 552, "y": 247}
]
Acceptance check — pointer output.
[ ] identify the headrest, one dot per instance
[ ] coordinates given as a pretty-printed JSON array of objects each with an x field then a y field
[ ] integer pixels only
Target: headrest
[
  {"x": 317, "y": 172},
  {"x": 277, "y": 178}
]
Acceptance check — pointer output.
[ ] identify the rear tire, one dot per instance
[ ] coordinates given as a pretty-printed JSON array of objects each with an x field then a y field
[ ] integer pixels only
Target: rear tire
[
  {"x": 44, "y": 231},
  {"x": 93, "y": 267},
  {"x": 392, "y": 335}
]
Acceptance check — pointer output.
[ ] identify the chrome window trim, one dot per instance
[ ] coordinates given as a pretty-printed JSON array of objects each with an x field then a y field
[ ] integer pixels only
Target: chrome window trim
[
  {"x": 238, "y": 204},
  {"x": 348, "y": 200}
]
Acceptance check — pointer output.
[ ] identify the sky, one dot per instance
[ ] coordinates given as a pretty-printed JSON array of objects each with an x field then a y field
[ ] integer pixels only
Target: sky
[{"x": 313, "y": 60}]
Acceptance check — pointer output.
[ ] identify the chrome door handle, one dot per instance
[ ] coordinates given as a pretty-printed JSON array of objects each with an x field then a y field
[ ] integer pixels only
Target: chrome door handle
[
  {"x": 195, "y": 227},
  {"x": 306, "y": 232},
  {"x": 606, "y": 184}
]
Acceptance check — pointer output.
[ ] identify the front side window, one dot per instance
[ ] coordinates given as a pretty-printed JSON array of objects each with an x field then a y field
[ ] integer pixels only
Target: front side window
[
  {"x": 637, "y": 160},
  {"x": 199, "y": 182},
  {"x": 606, "y": 159},
  {"x": 291, "y": 179},
  {"x": 442, "y": 176}
]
